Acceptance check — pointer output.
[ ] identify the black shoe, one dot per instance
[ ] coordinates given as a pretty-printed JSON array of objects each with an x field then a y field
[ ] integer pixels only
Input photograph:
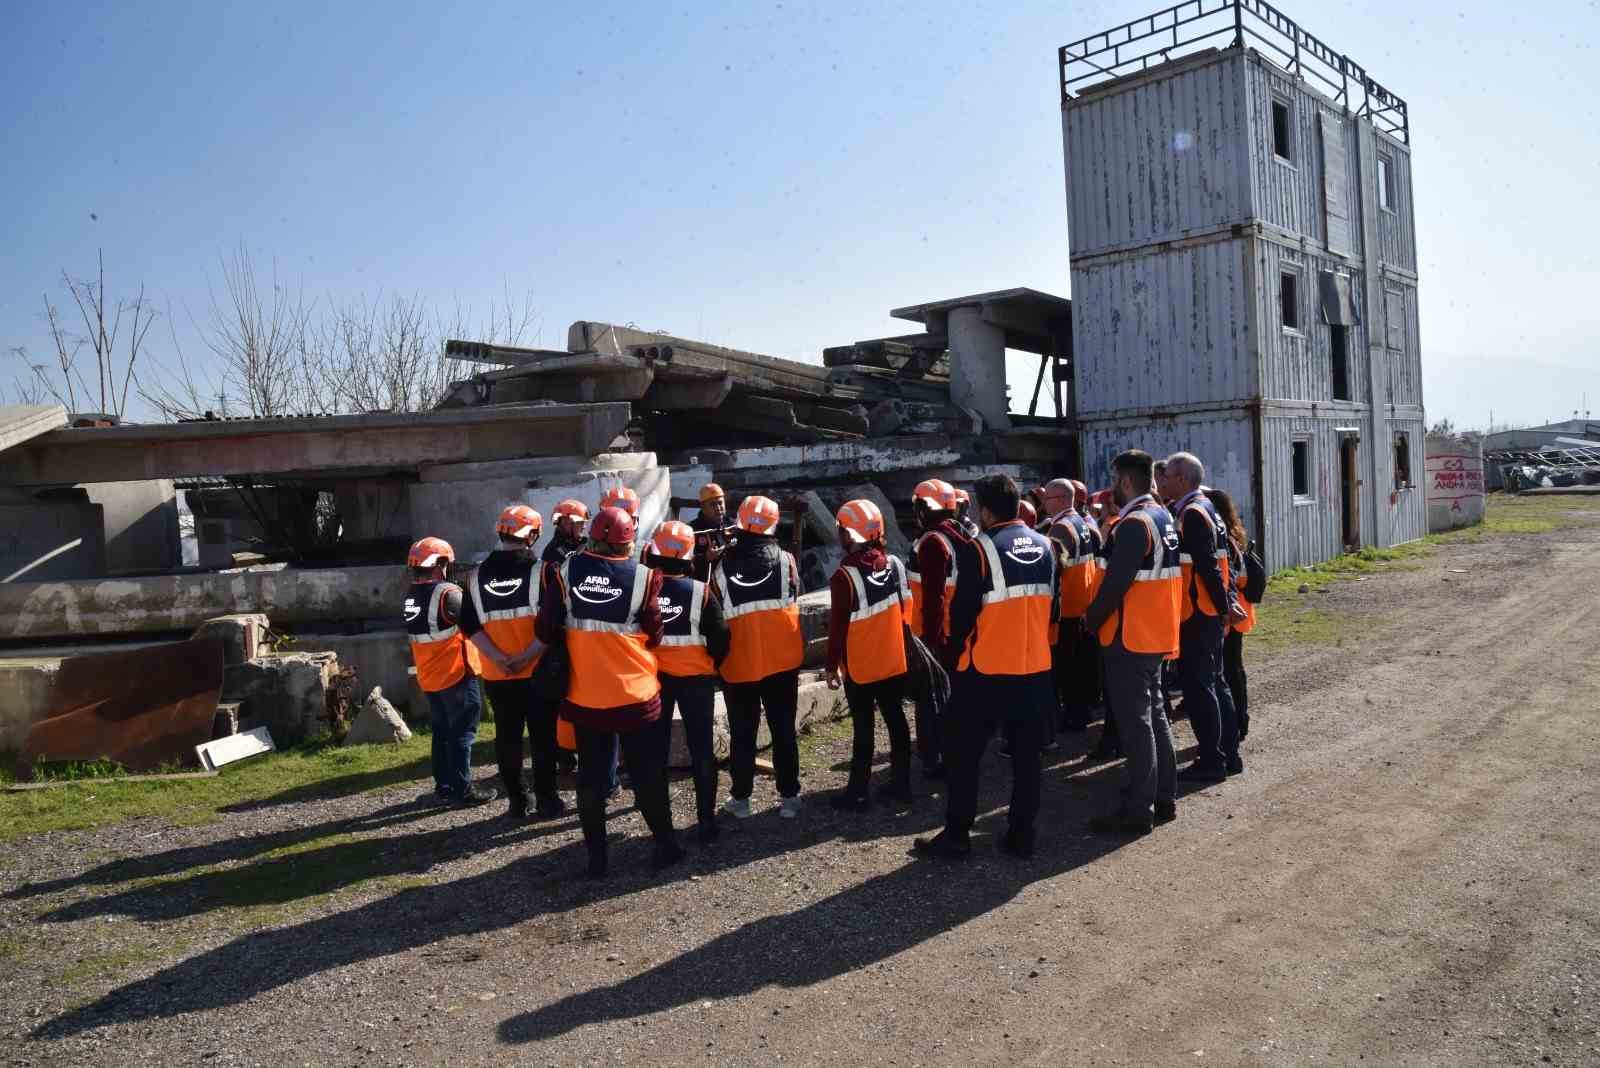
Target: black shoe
[
  {"x": 1104, "y": 754},
  {"x": 597, "y": 866},
  {"x": 1166, "y": 812},
  {"x": 1117, "y": 825},
  {"x": 1204, "y": 773},
  {"x": 475, "y": 795},
  {"x": 944, "y": 845},
  {"x": 709, "y": 831},
  {"x": 551, "y": 807},
  {"x": 1017, "y": 845},
  {"x": 515, "y": 814},
  {"x": 1235, "y": 766},
  {"x": 845, "y": 801},
  {"x": 935, "y": 771},
  {"x": 1075, "y": 726},
  {"x": 901, "y": 794},
  {"x": 1052, "y": 746},
  {"x": 667, "y": 853},
  {"x": 1005, "y": 752}
]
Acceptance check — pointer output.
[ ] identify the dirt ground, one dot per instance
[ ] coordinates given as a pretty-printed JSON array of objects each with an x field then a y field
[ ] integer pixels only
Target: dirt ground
[{"x": 1407, "y": 874}]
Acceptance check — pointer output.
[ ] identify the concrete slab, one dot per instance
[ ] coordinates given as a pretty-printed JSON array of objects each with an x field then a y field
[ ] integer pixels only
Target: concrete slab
[
  {"x": 335, "y": 444},
  {"x": 48, "y": 540},
  {"x": 26, "y": 684},
  {"x": 24, "y": 422}
]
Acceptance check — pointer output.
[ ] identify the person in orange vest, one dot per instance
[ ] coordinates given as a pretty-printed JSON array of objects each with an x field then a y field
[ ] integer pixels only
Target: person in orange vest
[
  {"x": 694, "y": 637},
  {"x": 759, "y": 586},
  {"x": 1109, "y": 747},
  {"x": 497, "y": 617},
  {"x": 1239, "y": 545},
  {"x": 870, "y": 609},
  {"x": 1208, "y": 603},
  {"x": 608, "y": 607},
  {"x": 963, "y": 513},
  {"x": 570, "y": 521},
  {"x": 448, "y": 667},
  {"x": 932, "y": 577},
  {"x": 712, "y": 531},
  {"x": 1135, "y": 616},
  {"x": 1076, "y": 662},
  {"x": 1006, "y": 599}
]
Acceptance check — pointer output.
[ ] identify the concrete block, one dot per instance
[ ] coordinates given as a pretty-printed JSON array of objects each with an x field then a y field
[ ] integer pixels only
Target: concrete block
[
  {"x": 284, "y": 692},
  {"x": 51, "y": 539},
  {"x": 243, "y": 634},
  {"x": 141, "y": 524},
  {"x": 226, "y": 721},
  {"x": 377, "y": 723},
  {"x": 26, "y": 684},
  {"x": 380, "y": 659}
]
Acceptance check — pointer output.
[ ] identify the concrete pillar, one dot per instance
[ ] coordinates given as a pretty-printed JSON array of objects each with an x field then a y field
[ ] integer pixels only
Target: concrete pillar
[{"x": 978, "y": 366}]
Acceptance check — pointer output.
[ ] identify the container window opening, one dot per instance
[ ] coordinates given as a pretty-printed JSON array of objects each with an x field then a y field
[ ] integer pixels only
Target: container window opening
[
  {"x": 1282, "y": 145},
  {"x": 1300, "y": 462},
  {"x": 1386, "y": 183},
  {"x": 1402, "y": 461},
  {"x": 1339, "y": 358},
  {"x": 1289, "y": 299}
]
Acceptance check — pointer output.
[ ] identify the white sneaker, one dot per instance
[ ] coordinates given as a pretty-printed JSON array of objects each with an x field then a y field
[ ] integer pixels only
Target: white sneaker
[
  {"x": 738, "y": 808},
  {"x": 789, "y": 808}
]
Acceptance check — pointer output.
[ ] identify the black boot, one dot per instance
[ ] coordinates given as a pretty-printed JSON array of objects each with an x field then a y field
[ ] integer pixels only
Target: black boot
[
  {"x": 705, "y": 794},
  {"x": 592, "y": 817},
  {"x": 668, "y": 852}
]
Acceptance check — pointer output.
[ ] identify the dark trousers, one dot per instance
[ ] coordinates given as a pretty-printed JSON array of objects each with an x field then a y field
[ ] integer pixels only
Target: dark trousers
[
  {"x": 1238, "y": 682},
  {"x": 517, "y": 707},
  {"x": 887, "y": 696},
  {"x": 1132, "y": 682},
  {"x": 1206, "y": 699},
  {"x": 695, "y": 699},
  {"x": 645, "y": 752},
  {"x": 1110, "y": 740},
  {"x": 454, "y": 715},
  {"x": 1077, "y": 673},
  {"x": 930, "y": 731},
  {"x": 779, "y": 694},
  {"x": 978, "y": 704}
]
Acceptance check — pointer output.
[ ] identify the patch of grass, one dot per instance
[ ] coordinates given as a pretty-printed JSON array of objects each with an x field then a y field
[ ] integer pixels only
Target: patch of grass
[
  {"x": 316, "y": 769},
  {"x": 815, "y": 741},
  {"x": 98, "y": 964}
]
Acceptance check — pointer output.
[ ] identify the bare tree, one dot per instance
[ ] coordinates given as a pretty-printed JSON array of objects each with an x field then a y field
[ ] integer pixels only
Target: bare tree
[
  {"x": 114, "y": 332},
  {"x": 261, "y": 339}
]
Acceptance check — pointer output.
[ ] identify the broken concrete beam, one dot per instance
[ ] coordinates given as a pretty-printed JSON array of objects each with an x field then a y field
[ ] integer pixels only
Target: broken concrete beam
[
  {"x": 688, "y": 393},
  {"x": 777, "y": 465},
  {"x": 243, "y": 635},
  {"x": 289, "y": 596},
  {"x": 343, "y": 444},
  {"x": 752, "y": 370},
  {"x": 584, "y": 378},
  {"x": 911, "y": 356},
  {"x": 505, "y": 355},
  {"x": 851, "y": 420},
  {"x": 284, "y": 692}
]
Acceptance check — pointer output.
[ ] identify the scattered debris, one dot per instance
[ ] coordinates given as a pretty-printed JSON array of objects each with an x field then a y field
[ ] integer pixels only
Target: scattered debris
[
  {"x": 377, "y": 723},
  {"x": 222, "y": 751}
]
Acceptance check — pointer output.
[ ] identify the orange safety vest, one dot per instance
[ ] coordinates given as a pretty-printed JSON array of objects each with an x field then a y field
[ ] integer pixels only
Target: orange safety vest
[
  {"x": 1079, "y": 565},
  {"x": 1241, "y": 578},
  {"x": 505, "y": 594},
  {"x": 1147, "y": 619},
  {"x": 1194, "y": 594},
  {"x": 610, "y": 665},
  {"x": 763, "y": 612},
  {"x": 875, "y": 645},
  {"x": 442, "y": 656},
  {"x": 914, "y": 581},
  {"x": 682, "y": 652},
  {"x": 1020, "y": 588}
]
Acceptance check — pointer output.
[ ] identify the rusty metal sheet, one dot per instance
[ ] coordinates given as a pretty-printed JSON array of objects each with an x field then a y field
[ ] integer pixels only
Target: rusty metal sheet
[{"x": 141, "y": 708}]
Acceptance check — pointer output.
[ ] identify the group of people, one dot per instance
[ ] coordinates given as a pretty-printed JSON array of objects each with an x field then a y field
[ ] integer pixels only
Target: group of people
[{"x": 1013, "y": 616}]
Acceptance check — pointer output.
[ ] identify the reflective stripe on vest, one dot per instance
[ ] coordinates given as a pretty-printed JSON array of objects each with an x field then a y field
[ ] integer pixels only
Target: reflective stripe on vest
[
  {"x": 1147, "y": 619},
  {"x": 610, "y": 665},
  {"x": 914, "y": 581},
  {"x": 1012, "y": 633},
  {"x": 682, "y": 651},
  {"x": 763, "y": 620},
  {"x": 1081, "y": 567},
  {"x": 875, "y": 647},
  {"x": 441, "y": 655},
  {"x": 505, "y": 594},
  {"x": 1194, "y": 594}
]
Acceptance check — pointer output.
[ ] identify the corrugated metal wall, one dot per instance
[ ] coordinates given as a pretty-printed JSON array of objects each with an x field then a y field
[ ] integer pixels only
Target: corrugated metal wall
[
  {"x": 1300, "y": 367},
  {"x": 1224, "y": 443},
  {"x": 1405, "y": 364},
  {"x": 1408, "y": 508},
  {"x": 1290, "y": 195},
  {"x": 1397, "y": 236},
  {"x": 1156, "y": 160},
  {"x": 1163, "y": 329},
  {"x": 1301, "y": 533}
]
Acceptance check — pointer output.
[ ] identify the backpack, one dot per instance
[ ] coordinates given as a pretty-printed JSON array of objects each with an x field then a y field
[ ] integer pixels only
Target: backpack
[{"x": 1255, "y": 576}]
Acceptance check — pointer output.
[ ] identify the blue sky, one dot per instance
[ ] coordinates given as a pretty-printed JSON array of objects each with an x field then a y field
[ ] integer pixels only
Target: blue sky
[{"x": 773, "y": 176}]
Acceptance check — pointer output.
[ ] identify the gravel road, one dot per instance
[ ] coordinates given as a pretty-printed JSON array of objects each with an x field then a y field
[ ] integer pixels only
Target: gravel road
[{"x": 1409, "y": 873}]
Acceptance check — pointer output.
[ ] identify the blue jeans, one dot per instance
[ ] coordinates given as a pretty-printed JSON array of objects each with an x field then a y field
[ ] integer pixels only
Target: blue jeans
[
  {"x": 455, "y": 715},
  {"x": 1206, "y": 698}
]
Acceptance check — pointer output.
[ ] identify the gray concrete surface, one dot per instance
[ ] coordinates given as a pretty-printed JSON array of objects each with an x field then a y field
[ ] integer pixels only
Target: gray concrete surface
[{"x": 51, "y": 540}]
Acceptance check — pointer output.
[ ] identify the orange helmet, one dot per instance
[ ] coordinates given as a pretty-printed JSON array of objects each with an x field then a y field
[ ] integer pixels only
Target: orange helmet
[
  {"x": 710, "y": 492},
  {"x": 673, "y": 540},
  {"x": 613, "y": 526},
  {"x": 758, "y": 515},
  {"x": 936, "y": 494},
  {"x": 961, "y": 496},
  {"x": 1026, "y": 513},
  {"x": 621, "y": 497},
  {"x": 520, "y": 522},
  {"x": 430, "y": 552},
  {"x": 861, "y": 521},
  {"x": 571, "y": 509}
]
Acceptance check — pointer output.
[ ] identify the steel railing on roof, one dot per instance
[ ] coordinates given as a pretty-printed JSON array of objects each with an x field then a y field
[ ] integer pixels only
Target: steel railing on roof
[{"x": 1190, "y": 27}]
